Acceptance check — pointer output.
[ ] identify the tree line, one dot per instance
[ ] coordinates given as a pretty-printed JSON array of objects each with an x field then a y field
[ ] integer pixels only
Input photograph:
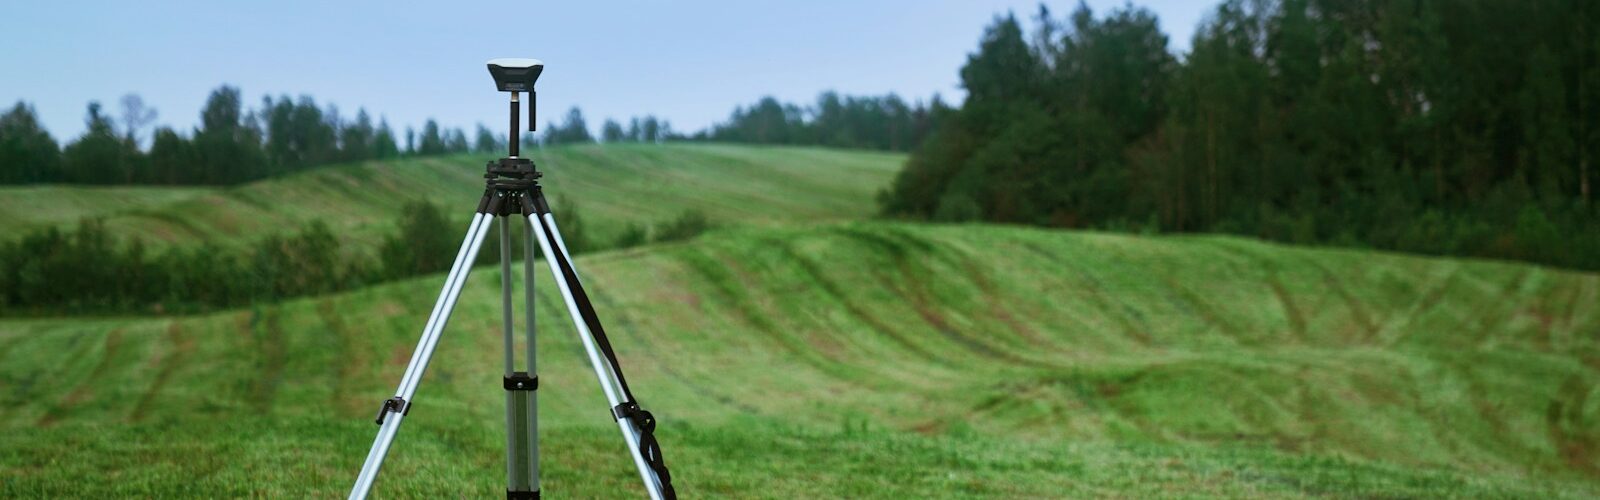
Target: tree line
[
  {"x": 236, "y": 144},
  {"x": 233, "y": 144},
  {"x": 874, "y": 122},
  {"x": 1417, "y": 125},
  {"x": 574, "y": 129},
  {"x": 864, "y": 122}
]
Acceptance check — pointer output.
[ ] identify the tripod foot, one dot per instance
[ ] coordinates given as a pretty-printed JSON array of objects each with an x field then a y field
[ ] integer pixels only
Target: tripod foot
[{"x": 522, "y": 495}]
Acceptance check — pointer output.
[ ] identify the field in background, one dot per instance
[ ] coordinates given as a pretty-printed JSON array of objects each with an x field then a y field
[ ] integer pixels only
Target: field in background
[
  {"x": 612, "y": 185},
  {"x": 799, "y": 354}
]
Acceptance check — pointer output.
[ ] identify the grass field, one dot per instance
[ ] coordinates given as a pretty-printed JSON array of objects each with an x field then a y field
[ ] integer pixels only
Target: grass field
[
  {"x": 612, "y": 185},
  {"x": 804, "y": 355}
]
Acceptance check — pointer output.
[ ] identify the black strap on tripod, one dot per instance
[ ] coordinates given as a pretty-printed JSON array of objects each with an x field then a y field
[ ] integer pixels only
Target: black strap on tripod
[{"x": 643, "y": 421}]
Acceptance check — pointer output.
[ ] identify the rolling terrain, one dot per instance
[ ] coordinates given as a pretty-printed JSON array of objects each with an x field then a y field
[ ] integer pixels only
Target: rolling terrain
[
  {"x": 612, "y": 185},
  {"x": 797, "y": 353}
]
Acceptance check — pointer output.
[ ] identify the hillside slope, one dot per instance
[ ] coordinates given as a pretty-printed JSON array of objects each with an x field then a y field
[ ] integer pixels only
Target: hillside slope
[
  {"x": 611, "y": 184},
  {"x": 866, "y": 359}
]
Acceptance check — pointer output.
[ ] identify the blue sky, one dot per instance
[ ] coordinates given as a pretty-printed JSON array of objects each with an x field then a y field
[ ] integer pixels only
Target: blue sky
[{"x": 690, "y": 62}]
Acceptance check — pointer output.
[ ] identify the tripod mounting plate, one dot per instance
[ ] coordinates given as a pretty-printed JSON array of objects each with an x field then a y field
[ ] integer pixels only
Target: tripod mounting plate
[
  {"x": 515, "y": 168},
  {"x": 511, "y": 185}
]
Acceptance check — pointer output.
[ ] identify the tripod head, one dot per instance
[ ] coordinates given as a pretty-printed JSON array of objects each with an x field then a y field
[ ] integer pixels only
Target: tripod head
[{"x": 516, "y": 75}]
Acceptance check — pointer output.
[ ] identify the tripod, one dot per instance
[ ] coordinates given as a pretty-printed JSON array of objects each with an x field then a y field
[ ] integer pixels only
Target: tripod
[{"x": 511, "y": 190}]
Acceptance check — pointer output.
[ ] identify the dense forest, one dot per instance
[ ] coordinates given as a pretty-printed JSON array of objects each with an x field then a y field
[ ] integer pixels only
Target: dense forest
[{"x": 1466, "y": 127}]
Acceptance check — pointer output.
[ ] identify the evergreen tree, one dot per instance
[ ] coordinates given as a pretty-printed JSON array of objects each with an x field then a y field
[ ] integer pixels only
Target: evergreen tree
[
  {"x": 456, "y": 141},
  {"x": 357, "y": 141},
  {"x": 229, "y": 149},
  {"x": 612, "y": 132},
  {"x": 383, "y": 144},
  {"x": 100, "y": 156},
  {"x": 27, "y": 152},
  {"x": 172, "y": 158},
  {"x": 487, "y": 142},
  {"x": 299, "y": 134},
  {"x": 650, "y": 130},
  {"x": 431, "y": 142},
  {"x": 1548, "y": 148},
  {"x": 573, "y": 131}
]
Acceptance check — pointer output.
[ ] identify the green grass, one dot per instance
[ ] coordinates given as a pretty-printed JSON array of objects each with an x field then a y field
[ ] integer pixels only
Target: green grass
[
  {"x": 863, "y": 360},
  {"x": 796, "y": 353},
  {"x": 27, "y": 207},
  {"x": 613, "y": 185}
]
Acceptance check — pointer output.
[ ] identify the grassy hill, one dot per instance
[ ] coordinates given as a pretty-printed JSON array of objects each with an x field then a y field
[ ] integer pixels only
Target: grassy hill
[
  {"x": 864, "y": 360},
  {"x": 612, "y": 184}
]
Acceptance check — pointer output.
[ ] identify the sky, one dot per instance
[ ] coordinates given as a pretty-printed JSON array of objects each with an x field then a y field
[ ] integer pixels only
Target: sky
[{"x": 689, "y": 62}]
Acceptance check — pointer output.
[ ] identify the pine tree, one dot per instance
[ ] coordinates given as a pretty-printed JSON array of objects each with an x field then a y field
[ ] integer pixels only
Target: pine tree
[
  {"x": 356, "y": 140},
  {"x": 430, "y": 142},
  {"x": 173, "y": 159},
  {"x": 100, "y": 156},
  {"x": 611, "y": 132},
  {"x": 228, "y": 147},
  {"x": 27, "y": 152},
  {"x": 383, "y": 143},
  {"x": 487, "y": 142}
]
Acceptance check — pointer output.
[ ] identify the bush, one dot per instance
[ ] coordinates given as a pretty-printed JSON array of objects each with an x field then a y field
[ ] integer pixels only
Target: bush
[
  {"x": 687, "y": 225},
  {"x": 633, "y": 235},
  {"x": 85, "y": 269},
  {"x": 573, "y": 231},
  {"x": 423, "y": 244},
  {"x": 301, "y": 264}
]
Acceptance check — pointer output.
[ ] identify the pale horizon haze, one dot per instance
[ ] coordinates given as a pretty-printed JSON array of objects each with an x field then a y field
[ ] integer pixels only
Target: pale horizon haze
[{"x": 689, "y": 63}]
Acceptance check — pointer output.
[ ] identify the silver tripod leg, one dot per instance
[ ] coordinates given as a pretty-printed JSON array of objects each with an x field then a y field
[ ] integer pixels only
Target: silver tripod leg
[
  {"x": 602, "y": 369},
  {"x": 532, "y": 354},
  {"x": 522, "y": 452},
  {"x": 390, "y": 416}
]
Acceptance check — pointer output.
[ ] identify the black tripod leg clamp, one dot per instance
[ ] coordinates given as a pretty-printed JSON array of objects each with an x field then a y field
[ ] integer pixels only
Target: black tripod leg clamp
[
  {"x": 625, "y": 410},
  {"x": 521, "y": 381},
  {"x": 395, "y": 404}
]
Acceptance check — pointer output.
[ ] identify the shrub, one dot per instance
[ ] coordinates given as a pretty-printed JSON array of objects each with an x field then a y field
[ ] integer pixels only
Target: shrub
[
  {"x": 633, "y": 235},
  {"x": 687, "y": 225},
  {"x": 422, "y": 245}
]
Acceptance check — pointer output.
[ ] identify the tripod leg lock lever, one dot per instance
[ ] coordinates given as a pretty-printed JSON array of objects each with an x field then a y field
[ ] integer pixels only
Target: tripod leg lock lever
[
  {"x": 521, "y": 381},
  {"x": 395, "y": 404},
  {"x": 624, "y": 410},
  {"x": 631, "y": 410}
]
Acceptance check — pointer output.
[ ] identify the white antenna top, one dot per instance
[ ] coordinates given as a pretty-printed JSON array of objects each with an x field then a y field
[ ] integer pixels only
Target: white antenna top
[{"x": 515, "y": 62}]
